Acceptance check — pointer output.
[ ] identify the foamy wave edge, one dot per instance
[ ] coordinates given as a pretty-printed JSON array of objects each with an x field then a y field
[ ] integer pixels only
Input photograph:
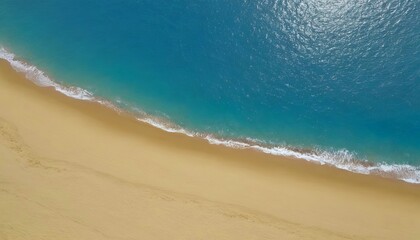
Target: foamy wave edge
[
  {"x": 39, "y": 78},
  {"x": 341, "y": 159}
]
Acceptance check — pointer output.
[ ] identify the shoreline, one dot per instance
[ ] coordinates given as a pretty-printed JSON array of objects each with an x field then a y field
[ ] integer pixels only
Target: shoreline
[
  {"x": 77, "y": 169},
  {"x": 341, "y": 159}
]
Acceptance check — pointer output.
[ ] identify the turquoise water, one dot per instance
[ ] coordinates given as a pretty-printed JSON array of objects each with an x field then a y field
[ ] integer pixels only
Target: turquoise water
[{"x": 320, "y": 75}]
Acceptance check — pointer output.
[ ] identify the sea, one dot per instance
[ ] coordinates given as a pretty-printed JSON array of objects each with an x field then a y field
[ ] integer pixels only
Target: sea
[{"x": 335, "y": 82}]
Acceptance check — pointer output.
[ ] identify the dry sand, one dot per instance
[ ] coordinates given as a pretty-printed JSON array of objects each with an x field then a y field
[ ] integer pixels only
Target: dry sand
[{"x": 71, "y": 169}]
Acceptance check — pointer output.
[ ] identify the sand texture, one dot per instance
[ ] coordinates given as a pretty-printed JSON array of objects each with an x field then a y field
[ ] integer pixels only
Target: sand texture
[{"x": 72, "y": 169}]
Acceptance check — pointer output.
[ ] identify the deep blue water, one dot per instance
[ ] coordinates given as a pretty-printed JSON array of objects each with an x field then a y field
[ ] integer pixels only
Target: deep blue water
[{"x": 332, "y": 74}]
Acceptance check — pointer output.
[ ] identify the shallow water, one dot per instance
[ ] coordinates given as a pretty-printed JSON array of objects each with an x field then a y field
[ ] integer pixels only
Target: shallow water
[{"x": 338, "y": 79}]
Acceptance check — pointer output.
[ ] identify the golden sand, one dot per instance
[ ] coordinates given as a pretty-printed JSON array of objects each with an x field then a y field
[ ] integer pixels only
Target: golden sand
[{"x": 72, "y": 169}]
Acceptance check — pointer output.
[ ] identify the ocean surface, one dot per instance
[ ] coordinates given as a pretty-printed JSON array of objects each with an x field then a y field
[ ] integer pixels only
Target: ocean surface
[{"x": 331, "y": 81}]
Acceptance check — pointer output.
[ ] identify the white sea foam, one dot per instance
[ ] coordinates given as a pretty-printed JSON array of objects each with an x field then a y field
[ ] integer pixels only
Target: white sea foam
[
  {"x": 341, "y": 159},
  {"x": 38, "y": 77},
  {"x": 166, "y": 127}
]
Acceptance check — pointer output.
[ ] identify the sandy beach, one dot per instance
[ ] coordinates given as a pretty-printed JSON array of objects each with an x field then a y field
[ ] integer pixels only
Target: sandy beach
[{"x": 72, "y": 169}]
